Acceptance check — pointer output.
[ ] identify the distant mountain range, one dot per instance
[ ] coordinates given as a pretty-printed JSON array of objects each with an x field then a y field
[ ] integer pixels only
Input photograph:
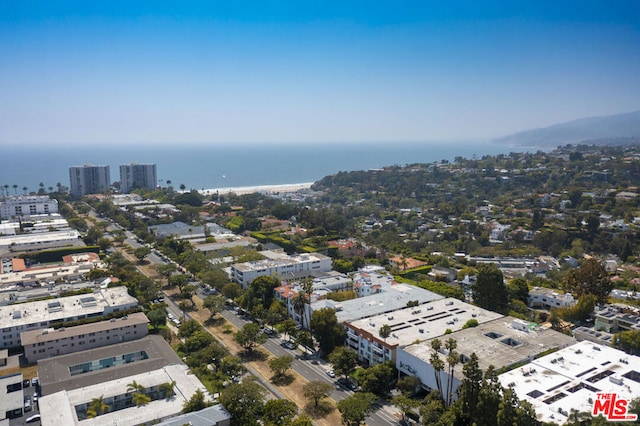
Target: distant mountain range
[{"x": 607, "y": 130}]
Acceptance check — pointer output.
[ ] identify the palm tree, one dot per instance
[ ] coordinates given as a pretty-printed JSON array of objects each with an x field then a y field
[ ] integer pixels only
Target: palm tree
[
  {"x": 15, "y": 188},
  {"x": 6, "y": 189},
  {"x": 453, "y": 358},
  {"x": 97, "y": 407},
  {"x": 135, "y": 386},
  {"x": 141, "y": 399},
  {"x": 166, "y": 389},
  {"x": 24, "y": 188},
  {"x": 437, "y": 364}
]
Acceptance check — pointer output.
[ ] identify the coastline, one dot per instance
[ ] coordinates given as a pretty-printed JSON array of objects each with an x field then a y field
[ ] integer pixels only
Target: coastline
[{"x": 265, "y": 189}]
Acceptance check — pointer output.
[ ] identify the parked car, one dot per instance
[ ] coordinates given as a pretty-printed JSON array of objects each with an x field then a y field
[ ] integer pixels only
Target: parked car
[
  {"x": 331, "y": 373},
  {"x": 26, "y": 383},
  {"x": 33, "y": 419},
  {"x": 34, "y": 381},
  {"x": 27, "y": 403},
  {"x": 287, "y": 344}
]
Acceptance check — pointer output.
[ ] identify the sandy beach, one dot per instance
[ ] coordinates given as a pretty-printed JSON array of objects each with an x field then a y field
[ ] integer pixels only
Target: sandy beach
[{"x": 266, "y": 189}]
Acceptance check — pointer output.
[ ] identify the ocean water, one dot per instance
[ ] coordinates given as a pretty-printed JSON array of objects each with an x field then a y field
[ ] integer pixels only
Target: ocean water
[{"x": 204, "y": 167}]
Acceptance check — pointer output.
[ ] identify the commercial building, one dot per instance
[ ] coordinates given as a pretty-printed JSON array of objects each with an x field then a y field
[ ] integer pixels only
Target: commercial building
[
  {"x": 89, "y": 179},
  {"x": 136, "y": 175},
  {"x": 408, "y": 326},
  {"x": 11, "y": 401},
  {"x": 24, "y": 206},
  {"x": 575, "y": 378},
  {"x": 281, "y": 266},
  {"x": 502, "y": 343},
  {"x": 39, "y": 344},
  {"x": 17, "y": 318}
]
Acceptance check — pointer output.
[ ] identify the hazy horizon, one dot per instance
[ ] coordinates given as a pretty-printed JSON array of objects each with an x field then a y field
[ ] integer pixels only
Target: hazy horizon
[{"x": 285, "y": 72}]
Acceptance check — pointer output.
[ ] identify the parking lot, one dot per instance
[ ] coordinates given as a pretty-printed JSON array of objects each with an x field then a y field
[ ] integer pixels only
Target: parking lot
[{"x": 31, "y": 393}]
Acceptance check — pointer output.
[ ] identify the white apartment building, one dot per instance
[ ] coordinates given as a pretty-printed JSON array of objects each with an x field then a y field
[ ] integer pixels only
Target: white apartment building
[
  {"x": 40, "y": 241},
  {"x": 69, "y": 407},
  {"x": 39, "y": 344},
  {"x": 24, "y": 206},
  {"x": 547, "y": 298},
  {"x": 503, "y": 342},
  {"x": 280, "y": 265},
  {"x": 17, "y": 318},
  {"x": 574, "y": 378},
  {"x": 408, "y": 326},
  {"x": 89, "y": 179},
  {"x": 11, "y": 395},
  {"x": 134, "y": 175}
]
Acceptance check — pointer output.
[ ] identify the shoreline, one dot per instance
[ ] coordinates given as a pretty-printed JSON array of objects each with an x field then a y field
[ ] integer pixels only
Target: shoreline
[{"x": 267, "y": 189}]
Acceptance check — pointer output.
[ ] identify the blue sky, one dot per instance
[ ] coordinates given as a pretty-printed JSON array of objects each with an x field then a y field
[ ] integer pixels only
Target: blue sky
[{"x": 159, "y": 72}]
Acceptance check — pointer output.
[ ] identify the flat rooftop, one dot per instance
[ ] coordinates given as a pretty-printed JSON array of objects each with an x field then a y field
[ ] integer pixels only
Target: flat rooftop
[
  {"x": 278, "y": 261},
  {"x": 59, "y": 408},
  {"x": 391, "y": 299},
  {"x": 32, "y": 337},
  {"x": 425, "y": 321},
  {"x": 55, "y": 374},
  {"x": 572, "y": 377},
  {"x": 22, "y": 314},
  {"x": 501, "y": 342}
]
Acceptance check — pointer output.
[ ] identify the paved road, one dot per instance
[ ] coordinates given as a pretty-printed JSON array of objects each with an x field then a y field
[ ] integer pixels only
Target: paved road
[{"x": 304, "y": 366}]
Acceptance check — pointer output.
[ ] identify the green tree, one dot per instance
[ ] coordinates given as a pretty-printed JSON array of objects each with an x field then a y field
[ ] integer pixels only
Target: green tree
[
  {"x": 188, "y": 328},
  {"x": 141, "y": 252},
  {"x": 490, "y": 291},
  {"x": 385, "y": 331},
  {"x": 196, "y": 403},
  {"x": 408, "y": 385},
  {"x": 140, "y": 398},
  {"x": 157, "y": 318},
  {"x": 326, "y": 330},
  {"x": 470, "y": 389},
  {"x": 453, "y": 358},
  {"x": 262, "y": 288},
  {"x": 166, "y": 389},
  {"x": 405, "y": 404},
  {"x": 97, "y": 407},
  {"x": 355, "y": 408},
  {"x": 317, "y": 390},
  {"x": 628, "y": 341},
  {"x": 302, "y": 420},
  {"x": 250, "y": 336},
  {"x": 232, "y": 366},
  {"x": 279, "y": 366},
  {"x": 166, "y": 270},
  {"x": 437, "y": 364},
  {"x": 243, "y": 401},
  {"x": 178, "y": 280},
  {"x": 215, "y": 278},
  {"x": 214, "y": 304},
  {"x": 279, "y": 412},
  {"x": 377, "y": 379},
  {"x": 518, "y": 289},
  {"x": 590, "y": 278},
  {"x": 344, "y": 360}
]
